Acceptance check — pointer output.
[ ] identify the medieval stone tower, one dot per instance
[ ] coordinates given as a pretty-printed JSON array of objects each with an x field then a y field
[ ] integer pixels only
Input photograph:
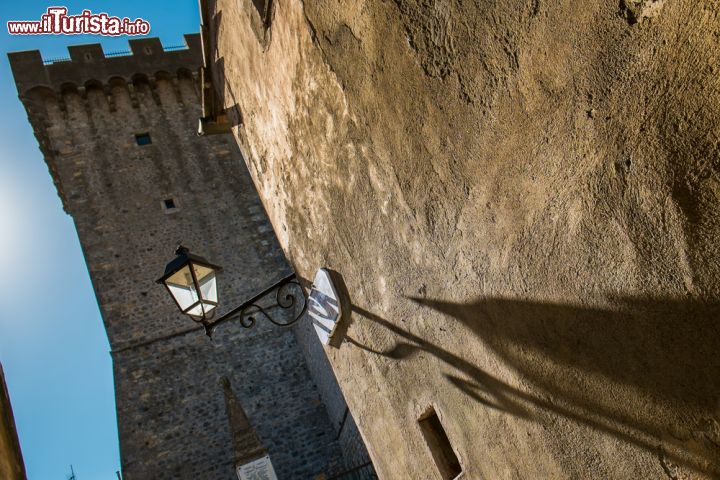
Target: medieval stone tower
[{"x": 119, "y": 137}]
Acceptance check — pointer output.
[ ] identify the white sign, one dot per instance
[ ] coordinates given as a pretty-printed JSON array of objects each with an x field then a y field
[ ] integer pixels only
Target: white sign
[
  {"x": 260, "y": 469},
  {"x": 324, "y": 306}
]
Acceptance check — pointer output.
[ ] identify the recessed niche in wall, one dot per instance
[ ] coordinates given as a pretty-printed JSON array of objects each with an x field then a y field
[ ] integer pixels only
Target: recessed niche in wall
[
  {"x": 143, "y": 139},
  {"x": 438, "y": 442},
  {"x": 169, "y": 205}
]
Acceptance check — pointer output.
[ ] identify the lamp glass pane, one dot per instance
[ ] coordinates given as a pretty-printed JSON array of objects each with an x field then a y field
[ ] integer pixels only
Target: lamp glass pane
[
  {"x": 197, "y": 311},
  {"x": 182, "y": 288},
  {"x": 207, "y": 281}
]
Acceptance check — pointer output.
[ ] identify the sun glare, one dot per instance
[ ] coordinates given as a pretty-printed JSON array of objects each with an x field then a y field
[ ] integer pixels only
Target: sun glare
[{"x": 14, "y": 234}]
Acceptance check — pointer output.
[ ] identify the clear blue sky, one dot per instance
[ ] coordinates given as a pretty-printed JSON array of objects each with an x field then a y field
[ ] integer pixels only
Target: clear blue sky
[{"x": 52, "y": 343}]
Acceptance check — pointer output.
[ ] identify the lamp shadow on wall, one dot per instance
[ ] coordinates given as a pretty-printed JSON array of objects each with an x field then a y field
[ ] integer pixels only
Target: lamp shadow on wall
[{"x": 658, "y": 353}]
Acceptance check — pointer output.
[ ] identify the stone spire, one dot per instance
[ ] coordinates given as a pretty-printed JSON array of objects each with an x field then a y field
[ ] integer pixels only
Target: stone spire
[{"x": 247, "y": 445}]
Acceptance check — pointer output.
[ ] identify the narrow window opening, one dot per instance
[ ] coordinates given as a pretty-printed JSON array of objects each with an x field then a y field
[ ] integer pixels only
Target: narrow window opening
[
  {"x": 143, "y": 139},
  {"x": 169, "y": 203},
  {"x": 438, "y": 442}
]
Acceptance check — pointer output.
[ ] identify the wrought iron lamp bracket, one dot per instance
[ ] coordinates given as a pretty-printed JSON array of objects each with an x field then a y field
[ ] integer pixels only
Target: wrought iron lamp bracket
[{"x": 288, "y": 294}]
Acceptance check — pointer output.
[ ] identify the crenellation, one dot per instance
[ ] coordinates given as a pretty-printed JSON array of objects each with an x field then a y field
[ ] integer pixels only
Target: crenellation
[
  {"x": 86, "y": 54},
  {"x": 89, "y": 63},
  {"x": 146, "y": 49}
]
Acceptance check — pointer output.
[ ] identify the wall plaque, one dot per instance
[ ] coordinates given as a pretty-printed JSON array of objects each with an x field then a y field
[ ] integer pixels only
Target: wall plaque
[
  {"x": 260, "y": 469},
  {"x": 324, "y": 306}
]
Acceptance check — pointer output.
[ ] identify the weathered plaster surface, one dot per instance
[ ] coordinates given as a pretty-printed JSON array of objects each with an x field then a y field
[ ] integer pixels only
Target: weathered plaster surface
[{"x": 522, "y": 198}]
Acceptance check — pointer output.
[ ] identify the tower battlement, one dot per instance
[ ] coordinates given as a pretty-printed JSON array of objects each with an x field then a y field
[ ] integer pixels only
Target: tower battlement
[
  {"x": 48, "y": 90},
  {"x": 89, "y": 64}
]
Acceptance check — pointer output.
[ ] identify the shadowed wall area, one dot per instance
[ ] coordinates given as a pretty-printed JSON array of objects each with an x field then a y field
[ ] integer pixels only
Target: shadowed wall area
[{"x": 654, "y": 363}]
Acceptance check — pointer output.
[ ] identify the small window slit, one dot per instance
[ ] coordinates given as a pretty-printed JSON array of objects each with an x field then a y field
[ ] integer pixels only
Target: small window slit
[{"x": 439, "y": 444}]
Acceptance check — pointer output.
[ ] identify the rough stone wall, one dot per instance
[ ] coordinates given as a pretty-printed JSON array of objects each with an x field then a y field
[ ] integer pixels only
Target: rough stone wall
[
  {"x": 522, "y": 197},
  {"x": 172, "y": 417},
  {"x": 346, "y": 432},
  {"x": 170, "y": 404}
]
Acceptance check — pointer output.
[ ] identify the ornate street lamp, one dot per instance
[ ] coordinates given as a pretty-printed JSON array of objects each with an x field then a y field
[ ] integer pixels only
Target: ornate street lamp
[{"x": 192, "y": 282}]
